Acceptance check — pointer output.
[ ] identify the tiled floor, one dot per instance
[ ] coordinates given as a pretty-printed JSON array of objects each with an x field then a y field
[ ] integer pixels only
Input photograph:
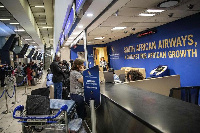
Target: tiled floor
[{"x": 7, "y": 123}]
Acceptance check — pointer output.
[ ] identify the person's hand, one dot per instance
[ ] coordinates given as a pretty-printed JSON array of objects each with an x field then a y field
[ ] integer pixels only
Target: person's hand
[{"x": 82, "y": 68}]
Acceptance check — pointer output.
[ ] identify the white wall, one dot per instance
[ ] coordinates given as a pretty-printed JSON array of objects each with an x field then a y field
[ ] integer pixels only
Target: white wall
[
  {"x": 61, "y": 8},
  {"x": 65, "y": 53}
]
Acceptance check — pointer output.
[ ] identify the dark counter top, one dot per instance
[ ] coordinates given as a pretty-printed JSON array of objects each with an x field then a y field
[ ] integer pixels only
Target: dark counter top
[{"x": 157, "y": 111}]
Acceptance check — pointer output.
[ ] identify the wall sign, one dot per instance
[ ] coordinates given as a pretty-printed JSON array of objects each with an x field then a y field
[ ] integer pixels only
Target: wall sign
[
  {"x": 79, "y": 4},
  {"x": 161, "y": 48},
  {"x": 91, "y": 85},
  {"x": 70, "y": 22}
]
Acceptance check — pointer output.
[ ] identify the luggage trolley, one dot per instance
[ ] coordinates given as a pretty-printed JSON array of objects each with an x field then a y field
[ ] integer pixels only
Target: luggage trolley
[{"x": 62, "y": 110}]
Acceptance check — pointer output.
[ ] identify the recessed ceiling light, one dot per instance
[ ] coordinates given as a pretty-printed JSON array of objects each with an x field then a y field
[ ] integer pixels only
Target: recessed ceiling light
[
  {"x": 20, "y": 30},
  {"x": 80, "y": 26},
  {"x": 89, "y": 14},
  {"x": 40, "y": 6},
  {"x": 4, "y": 19},
  {"x": 118, "y": 28},
  {"x": 47, "y": 27},
  {"x": 14, "y": 23},
  {"x": 33, "y": 42},
  {"x": 146, "y": 14},
  {"x": 28, "y": 39},
  {"x": 1, "y": 6},
  {"x": 155, "y": 10},
  {"x": 168, "y": 3},
  {"x": 99, "y": 38},
  {"x": 35, "y": 46}
]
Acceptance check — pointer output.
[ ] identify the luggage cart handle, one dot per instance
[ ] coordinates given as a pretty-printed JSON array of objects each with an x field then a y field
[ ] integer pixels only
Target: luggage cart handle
[{"x": 21, "y": 108}]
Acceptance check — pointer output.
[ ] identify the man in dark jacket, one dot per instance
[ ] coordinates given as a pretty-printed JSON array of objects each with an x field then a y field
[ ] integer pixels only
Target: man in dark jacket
[{"x": 57, "y": 78}]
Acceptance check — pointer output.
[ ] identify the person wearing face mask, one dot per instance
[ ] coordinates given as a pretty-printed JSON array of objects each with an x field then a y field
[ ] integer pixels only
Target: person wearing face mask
[{"x": 76, "y": 87}]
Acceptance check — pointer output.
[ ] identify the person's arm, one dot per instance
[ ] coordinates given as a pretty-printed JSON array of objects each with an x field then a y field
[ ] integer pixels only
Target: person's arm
[{"x": 80, "y": 79}]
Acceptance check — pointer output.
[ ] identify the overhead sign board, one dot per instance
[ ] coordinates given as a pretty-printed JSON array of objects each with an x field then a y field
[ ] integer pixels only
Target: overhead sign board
[{"x": 79, "y": 4}]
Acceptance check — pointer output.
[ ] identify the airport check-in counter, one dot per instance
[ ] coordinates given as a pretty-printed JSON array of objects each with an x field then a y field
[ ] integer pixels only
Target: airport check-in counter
[{"x": 125, "y": 109}]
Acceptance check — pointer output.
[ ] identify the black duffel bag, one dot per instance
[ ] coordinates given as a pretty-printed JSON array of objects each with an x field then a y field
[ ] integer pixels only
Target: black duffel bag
[
  {"x": 41, "y": 91},
  {"x": 37, "y": 105}
]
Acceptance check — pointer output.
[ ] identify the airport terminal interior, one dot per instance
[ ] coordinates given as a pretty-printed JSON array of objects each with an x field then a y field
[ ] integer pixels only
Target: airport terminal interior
[{"x": 99, "y": 66}]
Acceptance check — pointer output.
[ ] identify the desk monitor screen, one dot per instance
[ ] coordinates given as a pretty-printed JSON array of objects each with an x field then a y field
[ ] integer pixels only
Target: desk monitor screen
[{"x": 108, "y": 76}]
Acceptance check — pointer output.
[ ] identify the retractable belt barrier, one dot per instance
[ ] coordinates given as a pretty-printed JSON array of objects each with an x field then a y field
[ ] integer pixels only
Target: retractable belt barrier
[{"x": 2, "y": 94}]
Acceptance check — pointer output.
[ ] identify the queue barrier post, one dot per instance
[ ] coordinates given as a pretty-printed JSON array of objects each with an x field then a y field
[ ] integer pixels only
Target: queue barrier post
[
  {"x": 6, "y": 111},
  {"x": 15, "y": 95}
]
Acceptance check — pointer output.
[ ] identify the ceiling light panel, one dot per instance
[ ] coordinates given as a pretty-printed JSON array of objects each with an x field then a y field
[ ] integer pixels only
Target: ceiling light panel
[
  {"x": 118, "y": 28},
  {"x": 147, "y": 14},
  {"x": 19, "y": 30},
  {"x": 4, "y": 19},
  {"x": 39, "y": 6},
  {"x": 89, "y": 14},
  {"x": 14, "y": 23},
  {"x": 154, "y": 10},
  {"x": 99, "y": 38}
]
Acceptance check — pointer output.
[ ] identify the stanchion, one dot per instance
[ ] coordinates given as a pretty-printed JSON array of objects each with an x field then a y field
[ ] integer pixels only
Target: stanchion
[
  {"x": 15, "y": 96},
  {"x": 6, "y": 112},
  {"x": 66, "y": 121},
  {"x": 25, "y": 93},
  {"x": 93, "y": 116}
]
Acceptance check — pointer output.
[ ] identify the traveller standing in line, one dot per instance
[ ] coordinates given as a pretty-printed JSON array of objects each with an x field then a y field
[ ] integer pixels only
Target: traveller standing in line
[
  {"x": 29, "y": 72},
  {"x": 56, "y": 70},
  {"x": 76, "y": 87}
]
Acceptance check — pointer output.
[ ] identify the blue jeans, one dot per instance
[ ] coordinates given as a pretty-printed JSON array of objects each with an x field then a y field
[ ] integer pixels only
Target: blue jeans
[
  {"x": 58, "y": 90},
  {"x": 80, "y": 108}
]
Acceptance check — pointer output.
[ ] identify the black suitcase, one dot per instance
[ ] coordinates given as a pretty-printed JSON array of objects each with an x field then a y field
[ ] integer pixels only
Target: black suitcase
[
  {"x": 41, "y": 91},
  {"x": 20, "y": 80},
  {"x": 37, "y": 105}
]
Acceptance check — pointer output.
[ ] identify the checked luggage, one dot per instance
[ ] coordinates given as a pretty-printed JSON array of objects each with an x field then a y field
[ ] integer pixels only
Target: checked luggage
[
  {"x": 41, "y": 91},
  {"x": 37, "y": 105}
]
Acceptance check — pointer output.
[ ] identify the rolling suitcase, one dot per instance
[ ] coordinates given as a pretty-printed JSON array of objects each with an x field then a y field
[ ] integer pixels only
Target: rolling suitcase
[{"x": 51, "y": 89}]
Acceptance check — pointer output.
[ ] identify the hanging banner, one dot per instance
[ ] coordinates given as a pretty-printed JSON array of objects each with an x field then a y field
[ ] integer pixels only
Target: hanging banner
[{"x": 91, "y": 85}]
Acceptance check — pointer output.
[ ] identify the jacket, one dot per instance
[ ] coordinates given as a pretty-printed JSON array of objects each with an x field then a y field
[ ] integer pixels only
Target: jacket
[{"x": 57, "y": 72}]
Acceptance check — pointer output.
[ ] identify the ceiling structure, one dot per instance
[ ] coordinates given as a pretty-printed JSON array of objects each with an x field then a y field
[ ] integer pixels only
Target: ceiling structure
[
  {"x": 44, "y": 18},
  {"x": 125, "y": 13},
  {"x": 36, "y": 21}
]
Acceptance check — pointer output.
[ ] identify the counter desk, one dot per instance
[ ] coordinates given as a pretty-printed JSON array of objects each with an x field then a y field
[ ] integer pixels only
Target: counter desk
[{"x": 125, "y": 109}]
